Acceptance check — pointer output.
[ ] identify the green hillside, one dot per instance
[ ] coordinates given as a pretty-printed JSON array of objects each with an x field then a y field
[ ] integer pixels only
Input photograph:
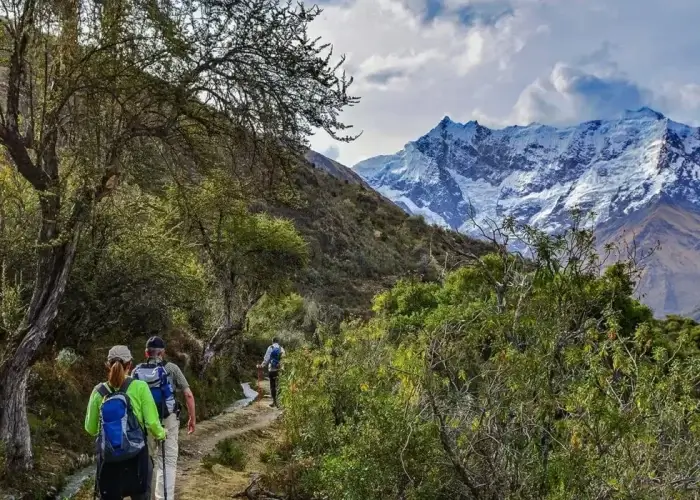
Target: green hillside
[
  {"x": 361, "y": 243},
  {"x": 132, "y": 279}
]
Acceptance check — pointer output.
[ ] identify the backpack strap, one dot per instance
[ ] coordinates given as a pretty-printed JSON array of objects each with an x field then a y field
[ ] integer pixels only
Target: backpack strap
[
  {"x": 154, "y": 362},
  {"x": 103, "y": 390},
  {"x": 126, "y": 384}
]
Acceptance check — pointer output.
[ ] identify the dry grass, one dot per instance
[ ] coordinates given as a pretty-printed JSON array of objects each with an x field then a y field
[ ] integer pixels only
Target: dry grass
[{"x": 254, "y": 430}]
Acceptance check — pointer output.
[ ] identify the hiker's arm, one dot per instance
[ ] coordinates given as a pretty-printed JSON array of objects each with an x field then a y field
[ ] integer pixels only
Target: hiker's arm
[
  {"x": 182, "y": 384},
  {"x": 150, "y": 413},
  {"x": 189, "y": 401},
  {"x": 266, "y": 360},
  {"x": 92, "y": 415}
]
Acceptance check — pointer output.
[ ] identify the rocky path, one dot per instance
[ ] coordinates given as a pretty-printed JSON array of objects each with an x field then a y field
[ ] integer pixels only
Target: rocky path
[{"x": 252, "y": 426}]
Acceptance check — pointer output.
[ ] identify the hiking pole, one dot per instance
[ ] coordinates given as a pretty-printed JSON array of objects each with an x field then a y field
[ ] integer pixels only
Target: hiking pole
[
  {"x": 165, "y": 483},
  {"x": 163, "y": 407},
  {"x": 97, "y": 484},
  {"x": 96, "y": 492}
]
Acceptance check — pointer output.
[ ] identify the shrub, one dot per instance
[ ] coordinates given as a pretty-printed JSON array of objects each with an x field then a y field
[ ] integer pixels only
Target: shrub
[
  {"x": 511, "y": 379},
  {"x": 67, "y": 357},
  {"x": 229, "y": 453},
  {"x": 270, "y": 455}
]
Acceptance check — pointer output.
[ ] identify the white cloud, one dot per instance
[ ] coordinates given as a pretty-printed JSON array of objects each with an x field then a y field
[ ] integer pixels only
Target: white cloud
[
  {"x": 572, "y": 95},
  {"x": 332, "y": 152},
  {"x": 508, "y": 61}
]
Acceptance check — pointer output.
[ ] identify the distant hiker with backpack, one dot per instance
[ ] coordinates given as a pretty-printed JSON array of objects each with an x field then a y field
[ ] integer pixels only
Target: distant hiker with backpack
[
  {"x": 164, "y": 380},
  {"x": 273, "y": 361},
  {"x": 118, "y": 415}
]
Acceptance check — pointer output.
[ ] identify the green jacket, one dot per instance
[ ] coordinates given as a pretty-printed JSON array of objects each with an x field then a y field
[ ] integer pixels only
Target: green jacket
[{"x": 141, "y": 402}]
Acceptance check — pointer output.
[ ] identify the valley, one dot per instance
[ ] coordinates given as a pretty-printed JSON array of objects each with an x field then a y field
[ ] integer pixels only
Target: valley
[{"x": 481, "y": 313}]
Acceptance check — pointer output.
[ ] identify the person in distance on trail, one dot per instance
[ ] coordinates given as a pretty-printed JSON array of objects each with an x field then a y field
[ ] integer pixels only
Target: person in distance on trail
[
  {"x": 273, "y": 361},
  {"x": 165, "y": 379},
  {"x": 118, "y": 414}
]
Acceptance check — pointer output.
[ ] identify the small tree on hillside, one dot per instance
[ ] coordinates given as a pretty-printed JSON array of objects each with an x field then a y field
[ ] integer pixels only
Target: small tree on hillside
[
  {"x": 250, "y": 255},
  {"x": 90, "y": 87}
]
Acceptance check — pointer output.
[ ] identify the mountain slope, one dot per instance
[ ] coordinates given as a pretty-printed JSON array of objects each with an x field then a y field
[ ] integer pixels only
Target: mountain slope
[
  {"x": 640, "y": 172},
  {"x": 337, "y": 170},
  {"x": 360, "y": 241},
  {"x": 670, "y": 281}
]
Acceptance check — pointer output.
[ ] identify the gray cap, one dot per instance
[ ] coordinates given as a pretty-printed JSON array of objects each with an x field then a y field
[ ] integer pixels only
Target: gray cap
[{"x": 121, "y": 352}]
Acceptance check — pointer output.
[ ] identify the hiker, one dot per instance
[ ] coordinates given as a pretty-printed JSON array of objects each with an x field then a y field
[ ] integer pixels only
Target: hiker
[
  {"x": 165, "y": 379},
  {"x": 118, "y": 414},
  {"x": 273, "y": 361}
]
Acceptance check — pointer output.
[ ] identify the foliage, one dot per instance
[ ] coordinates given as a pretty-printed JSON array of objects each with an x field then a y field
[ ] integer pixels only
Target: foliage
[
  {"x": 229, "y": 453},
  {"x": 287, "y": 317},
  {"x": 133, "y": 274},
  {"x": 270, "y": 454},
  {"x": 248, "y": 254},
  {"x": 18, "y": 226},
  {"x": 100, "y": 94},
  {"x": 514, "y": 378}
]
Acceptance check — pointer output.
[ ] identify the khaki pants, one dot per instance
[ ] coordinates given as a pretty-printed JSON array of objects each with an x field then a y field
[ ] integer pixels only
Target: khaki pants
[{"x": 172, "y": 427}]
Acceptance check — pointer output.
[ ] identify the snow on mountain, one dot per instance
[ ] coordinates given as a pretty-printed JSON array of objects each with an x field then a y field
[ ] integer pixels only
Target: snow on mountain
[{"x": 614, "y": 168}]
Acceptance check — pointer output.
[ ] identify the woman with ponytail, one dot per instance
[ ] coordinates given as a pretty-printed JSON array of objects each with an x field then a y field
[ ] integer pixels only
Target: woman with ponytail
[{"x": 132, "y": 477}]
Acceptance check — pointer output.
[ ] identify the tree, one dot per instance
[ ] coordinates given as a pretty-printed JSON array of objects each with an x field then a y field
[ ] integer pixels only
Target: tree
[
  {"x": 249, "y": 255},
  {"x": 133, "y": 273},
  {"x": 93, "y": 88}
]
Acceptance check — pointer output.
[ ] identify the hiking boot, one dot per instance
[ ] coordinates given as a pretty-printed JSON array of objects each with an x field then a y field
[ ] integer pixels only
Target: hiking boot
[{"x": 273, "y": 404}]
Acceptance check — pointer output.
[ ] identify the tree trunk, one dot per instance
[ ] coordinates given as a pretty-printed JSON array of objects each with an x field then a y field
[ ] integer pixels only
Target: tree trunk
[
  {"x": 54, "y": 266},
  {"x": 14, "y": 426},
  {"x": 229, "y": 328},
  {"x": 220, "y": 338}
]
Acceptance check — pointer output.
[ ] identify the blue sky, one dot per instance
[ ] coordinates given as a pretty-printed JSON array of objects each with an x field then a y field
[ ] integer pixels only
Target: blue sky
[{"x": 506, "y": 62}]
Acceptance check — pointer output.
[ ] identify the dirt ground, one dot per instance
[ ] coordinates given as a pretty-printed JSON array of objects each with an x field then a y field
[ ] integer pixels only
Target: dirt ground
[{"x": 252, "y": 428}]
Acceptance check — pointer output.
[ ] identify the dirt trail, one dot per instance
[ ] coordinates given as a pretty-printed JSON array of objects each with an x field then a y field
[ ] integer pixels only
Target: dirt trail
[{"x": 252, "y": 428}]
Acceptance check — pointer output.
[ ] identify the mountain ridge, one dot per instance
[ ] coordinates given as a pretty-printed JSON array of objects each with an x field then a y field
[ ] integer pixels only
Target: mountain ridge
[{"x": 461, "y": 174}]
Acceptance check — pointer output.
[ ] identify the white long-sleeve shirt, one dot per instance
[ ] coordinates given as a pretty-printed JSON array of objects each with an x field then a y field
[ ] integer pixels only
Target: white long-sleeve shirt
[{"x": 268, "y": 353}]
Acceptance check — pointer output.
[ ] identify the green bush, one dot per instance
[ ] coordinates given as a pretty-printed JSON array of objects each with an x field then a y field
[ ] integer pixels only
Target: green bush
[
  {"x": 270, "y": 455},
  {"x": 229, "y": 453},
  {"x": 511, "y": 379}
]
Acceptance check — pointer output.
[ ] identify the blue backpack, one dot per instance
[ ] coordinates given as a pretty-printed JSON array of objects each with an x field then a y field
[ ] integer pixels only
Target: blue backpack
[
  {"x": 160, "y": 384},
  {"x": 275, "y": 357},
  {"x": 121, "y": 437}
]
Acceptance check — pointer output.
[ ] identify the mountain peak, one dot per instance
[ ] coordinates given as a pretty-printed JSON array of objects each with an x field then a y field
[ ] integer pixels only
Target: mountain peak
[
  {"x": 621, "y": 169},
  {"x": 642, "y": 113}
]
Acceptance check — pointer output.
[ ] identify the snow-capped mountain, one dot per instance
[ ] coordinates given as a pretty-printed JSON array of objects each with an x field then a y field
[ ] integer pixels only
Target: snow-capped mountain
[{"x": 639, "y": 173}]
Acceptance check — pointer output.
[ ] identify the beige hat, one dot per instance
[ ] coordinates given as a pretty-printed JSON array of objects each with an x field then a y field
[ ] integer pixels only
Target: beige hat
[{"x": 121, "y": 352}]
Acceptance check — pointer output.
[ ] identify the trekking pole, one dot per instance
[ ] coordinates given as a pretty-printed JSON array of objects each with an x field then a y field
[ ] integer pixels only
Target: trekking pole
[
  {"x": 163, "y": 407},
  {"x": 165, "y": 483},
  {"x": 95, "y": 494}
]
